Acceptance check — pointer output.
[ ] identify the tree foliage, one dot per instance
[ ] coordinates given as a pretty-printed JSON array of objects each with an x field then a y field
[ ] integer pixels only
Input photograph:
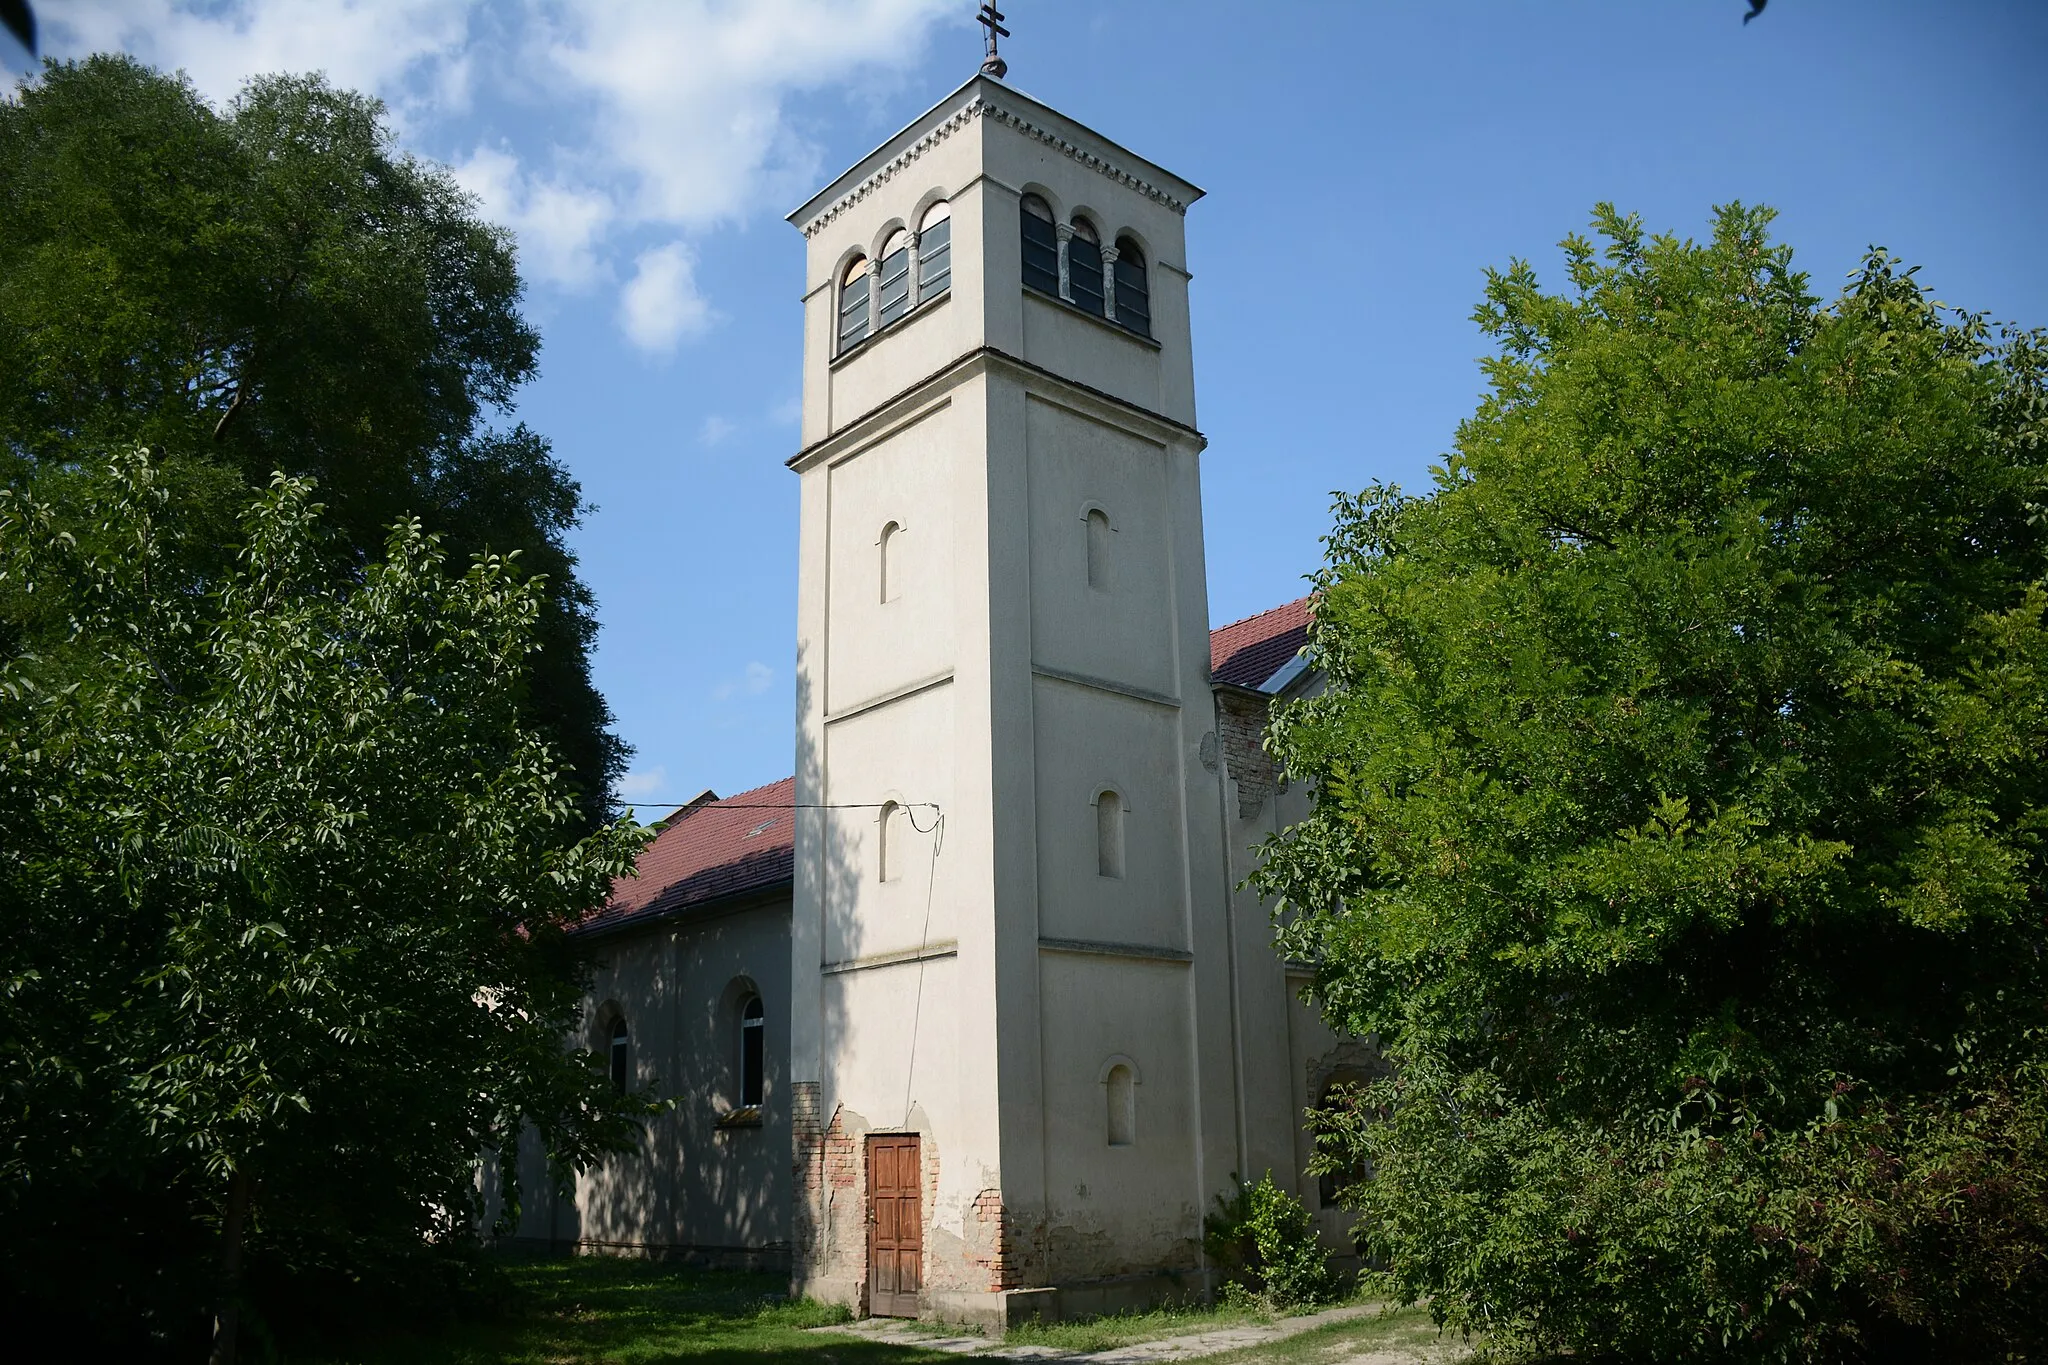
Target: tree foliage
[
  {"x": 1680, "y": 789},
  {"x": 276, "y": 287},
  {"x": 285, "y": 878}
]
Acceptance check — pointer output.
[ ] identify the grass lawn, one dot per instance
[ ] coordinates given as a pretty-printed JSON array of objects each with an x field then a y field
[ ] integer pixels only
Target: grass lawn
[
  {"x": 591, "y": 1309},
  {"x": 1405, "y": 1335},
  {"x": 1122, "y": 1329}
]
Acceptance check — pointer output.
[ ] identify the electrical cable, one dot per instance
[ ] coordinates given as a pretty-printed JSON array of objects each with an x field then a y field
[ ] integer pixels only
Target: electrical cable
[
  {"x": 790, "y": 805},
  {"x": 931, "y": 878},
  {"x": 937, "y": 829}
]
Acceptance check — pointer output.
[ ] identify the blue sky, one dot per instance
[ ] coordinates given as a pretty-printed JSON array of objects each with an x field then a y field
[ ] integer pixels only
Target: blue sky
[{"x": 1364, "y": 162}]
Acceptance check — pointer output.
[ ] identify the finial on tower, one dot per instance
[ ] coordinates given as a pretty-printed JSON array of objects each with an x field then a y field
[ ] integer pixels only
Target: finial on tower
[{"x": 991, "y": 19}]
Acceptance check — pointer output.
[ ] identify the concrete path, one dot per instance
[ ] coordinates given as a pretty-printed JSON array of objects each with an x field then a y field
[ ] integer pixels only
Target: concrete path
[{"x": 1193, "y": 1346}]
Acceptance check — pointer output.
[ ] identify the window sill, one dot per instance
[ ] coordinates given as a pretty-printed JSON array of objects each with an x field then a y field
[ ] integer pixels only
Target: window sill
[
  {"x": 860, "y": 347},
  {"x": 1100, "y": 321},
  {"x": 749, "y": 1117}
]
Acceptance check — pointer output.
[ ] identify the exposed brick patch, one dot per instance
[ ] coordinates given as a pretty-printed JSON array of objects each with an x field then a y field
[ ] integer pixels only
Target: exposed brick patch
[
  {"x": 1001, "y": 1243},
  {"x": 807, "y": 1151},
  {"x": 1241, "y": 725}
]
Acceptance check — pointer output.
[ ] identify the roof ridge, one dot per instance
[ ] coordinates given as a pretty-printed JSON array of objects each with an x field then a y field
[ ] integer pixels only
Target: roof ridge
[
  {"x": 738, "y": 797},
  {"x": 1292, "y": 602}
]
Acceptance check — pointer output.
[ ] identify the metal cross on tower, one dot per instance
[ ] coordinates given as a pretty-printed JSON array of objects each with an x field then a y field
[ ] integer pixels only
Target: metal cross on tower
[{"x": 991, "y": 19}]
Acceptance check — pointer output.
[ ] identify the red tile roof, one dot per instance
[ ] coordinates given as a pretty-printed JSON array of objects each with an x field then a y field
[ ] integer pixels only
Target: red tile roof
[
  {"x": 743, "y": 843},
  {"x": 747, "y": 842},
  {"x": 1250, "y": 651}
]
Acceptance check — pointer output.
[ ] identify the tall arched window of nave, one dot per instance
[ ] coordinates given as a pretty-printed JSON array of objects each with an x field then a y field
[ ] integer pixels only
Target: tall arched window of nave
[
  {"x": 621, "y": 1056},
  {"x": 753, "y": 1052}
]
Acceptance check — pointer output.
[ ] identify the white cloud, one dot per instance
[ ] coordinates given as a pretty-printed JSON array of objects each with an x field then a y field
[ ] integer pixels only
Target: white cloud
[
  {"x": 689, "y": 97},
  {"x": 714, "y": 430},
  {"x": 402, "y": 50},
  {"x": 642, "y": 785},
  {"x": 663, "y": 118},
  {"x": 660, "y": 305},
  {"x": 560, "y": 227},
  {"x": 755, "y": 679}
]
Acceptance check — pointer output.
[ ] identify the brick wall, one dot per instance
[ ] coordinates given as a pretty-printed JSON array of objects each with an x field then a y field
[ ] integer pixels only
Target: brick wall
[
  {"x": 999, "y": 1249},
  {"x": 1241, "y": 725}
]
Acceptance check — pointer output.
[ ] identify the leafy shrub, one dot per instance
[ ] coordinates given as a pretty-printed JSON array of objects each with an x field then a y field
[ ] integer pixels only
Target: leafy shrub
[
  {"x": 1263, "y": 1242},
  {"x": 1680, "y": 786},
  {"x": 1886, "y": 1232}
]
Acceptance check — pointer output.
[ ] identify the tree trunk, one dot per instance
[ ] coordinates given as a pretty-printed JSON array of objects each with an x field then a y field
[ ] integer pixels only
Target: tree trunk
[{"x": 228, "y": 1318}]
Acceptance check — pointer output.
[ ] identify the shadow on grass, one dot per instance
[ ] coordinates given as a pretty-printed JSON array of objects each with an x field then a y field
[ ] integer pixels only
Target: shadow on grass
[{"x": 633, "y": 1312}]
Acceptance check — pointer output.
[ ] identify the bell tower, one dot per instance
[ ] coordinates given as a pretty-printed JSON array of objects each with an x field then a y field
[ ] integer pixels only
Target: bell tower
[{"x": 1012, "y": 1048}]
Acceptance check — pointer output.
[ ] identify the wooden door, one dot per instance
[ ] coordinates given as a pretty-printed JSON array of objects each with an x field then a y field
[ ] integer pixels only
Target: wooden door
[{"x": 895, "y": 1226}]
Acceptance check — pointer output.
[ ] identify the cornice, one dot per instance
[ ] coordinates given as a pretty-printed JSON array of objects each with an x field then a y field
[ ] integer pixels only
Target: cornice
[
  {"x": 905, "y": 401},
  {"x": 981, "y": 106}
]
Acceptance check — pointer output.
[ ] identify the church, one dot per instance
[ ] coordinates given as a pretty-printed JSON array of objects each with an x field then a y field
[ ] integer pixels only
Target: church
[{"x": 971, "y": 1017}]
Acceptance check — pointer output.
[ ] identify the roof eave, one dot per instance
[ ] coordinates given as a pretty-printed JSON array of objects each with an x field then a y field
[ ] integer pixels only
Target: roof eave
[
  {"x": 729, "y": 901},
  {"x": 1186, "y": 191}
]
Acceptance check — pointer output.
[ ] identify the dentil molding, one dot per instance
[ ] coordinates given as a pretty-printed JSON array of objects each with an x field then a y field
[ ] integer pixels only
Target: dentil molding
[{"x": 982, "y": 107}]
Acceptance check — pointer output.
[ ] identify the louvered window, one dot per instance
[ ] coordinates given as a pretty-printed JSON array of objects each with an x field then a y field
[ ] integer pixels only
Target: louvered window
[
  {"x": 893, "y": 300},
  {"x": 1133, "y": 296},
  {"x": 1041, "y": 247},
  {"x": 1084, "y": 268},
  {"x": 853, "y": 304},
  {"x": 935, "y": 252}
]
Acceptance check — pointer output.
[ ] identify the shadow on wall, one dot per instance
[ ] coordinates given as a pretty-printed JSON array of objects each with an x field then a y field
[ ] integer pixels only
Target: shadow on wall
[
  {"x": 883, "y": 890},
  {"x": 711, "y": 1179},
  {"x": 865, "y": 841}
]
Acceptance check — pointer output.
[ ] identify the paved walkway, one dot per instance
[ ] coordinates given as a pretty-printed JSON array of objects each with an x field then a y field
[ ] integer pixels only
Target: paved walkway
[{"x": 1190, "y": 1347}]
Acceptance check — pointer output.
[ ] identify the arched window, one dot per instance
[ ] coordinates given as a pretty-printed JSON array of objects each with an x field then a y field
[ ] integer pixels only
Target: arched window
[
  {"x": 1041, "y": 246},
  {"x": 892, "y": 299},
  {"x": 1099, "y": 531},
  {"x": 1084, "y": 267},
  {"x": 621, "y": 1059},
  {"x": 753, "y": 1051},
  {"x": 1133, "y": 296},
  {"x": 1121, "y": 1089},
  {"x": 1337, "y": 1094},
  {"x": 889, "y": 831},
  {"x": 935, "y": 252},
  {"x": 892, "y": 562},
  {"x": 1109, "y": 834},
  {"x": 853, "y": 303}
]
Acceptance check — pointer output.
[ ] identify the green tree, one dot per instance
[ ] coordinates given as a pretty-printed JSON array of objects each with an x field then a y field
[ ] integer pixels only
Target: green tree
[
  {"x": 1680, "y": 788},
  {"x": 276, "y": 287},
  {"x": 285, "y": 879}
]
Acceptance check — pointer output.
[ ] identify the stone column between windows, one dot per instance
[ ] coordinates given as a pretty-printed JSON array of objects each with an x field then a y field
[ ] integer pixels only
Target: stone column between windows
[
  {"x": 1066, "y": 234},
  {"x": 875, "y": 295},
  {"x": 1109, "y": 283}
]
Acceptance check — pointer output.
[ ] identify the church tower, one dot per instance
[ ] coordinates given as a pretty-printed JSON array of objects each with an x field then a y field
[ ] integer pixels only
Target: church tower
[{"x": 1012, "y": 974}]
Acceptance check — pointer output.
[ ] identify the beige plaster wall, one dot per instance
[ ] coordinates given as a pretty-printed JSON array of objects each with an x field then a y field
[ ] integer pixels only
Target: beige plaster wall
[{"x": 1008, "y": 689}]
